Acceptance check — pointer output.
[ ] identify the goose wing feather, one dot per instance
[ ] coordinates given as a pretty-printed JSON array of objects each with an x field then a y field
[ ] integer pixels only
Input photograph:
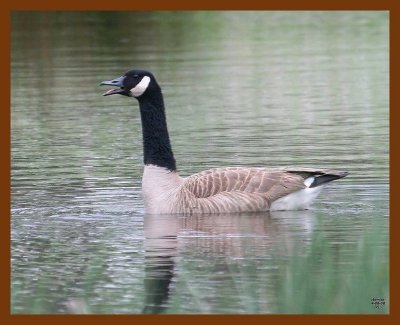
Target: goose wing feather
[{"x": 253, "y": 187}]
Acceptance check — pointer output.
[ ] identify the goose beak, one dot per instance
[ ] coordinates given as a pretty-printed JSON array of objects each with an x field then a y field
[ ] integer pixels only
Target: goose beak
[{"x": 118, "y": 82}]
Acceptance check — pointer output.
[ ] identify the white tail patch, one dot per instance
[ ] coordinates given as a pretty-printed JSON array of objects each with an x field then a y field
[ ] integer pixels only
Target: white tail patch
[
  {"x": 309, "y": 181},
  {"x": 141, "y": 87}
]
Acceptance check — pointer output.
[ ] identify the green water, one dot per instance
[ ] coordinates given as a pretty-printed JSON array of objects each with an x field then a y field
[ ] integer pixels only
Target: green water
[{"x": 241, "y": 88}]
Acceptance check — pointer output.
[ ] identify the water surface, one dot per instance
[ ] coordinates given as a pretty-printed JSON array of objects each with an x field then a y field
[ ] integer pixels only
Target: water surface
[{"x": 241, "y": 88}]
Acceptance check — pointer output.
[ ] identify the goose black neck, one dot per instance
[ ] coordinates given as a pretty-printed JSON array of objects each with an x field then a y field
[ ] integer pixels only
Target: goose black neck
[{"x": 156, "y": 144}]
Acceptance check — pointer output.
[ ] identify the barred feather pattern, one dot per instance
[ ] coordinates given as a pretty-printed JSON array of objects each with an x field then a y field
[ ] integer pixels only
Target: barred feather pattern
[{"x": 237, "y": 189}]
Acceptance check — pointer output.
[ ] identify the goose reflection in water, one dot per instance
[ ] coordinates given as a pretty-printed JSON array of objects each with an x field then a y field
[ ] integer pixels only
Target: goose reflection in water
[
  {"x": 221, "y": 236},
  {"x": 160, "y": 251}
]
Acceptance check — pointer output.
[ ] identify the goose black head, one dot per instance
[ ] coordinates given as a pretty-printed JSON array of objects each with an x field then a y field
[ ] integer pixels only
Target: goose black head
[{"x": 134, "y": 83}]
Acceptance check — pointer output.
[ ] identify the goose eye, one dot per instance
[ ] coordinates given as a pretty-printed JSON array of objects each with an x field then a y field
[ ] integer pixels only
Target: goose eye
[{"x": 135, "y": 76}]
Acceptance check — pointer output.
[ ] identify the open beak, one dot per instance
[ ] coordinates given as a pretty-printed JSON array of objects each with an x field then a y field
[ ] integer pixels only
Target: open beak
[{"x": 118, "y": 82}]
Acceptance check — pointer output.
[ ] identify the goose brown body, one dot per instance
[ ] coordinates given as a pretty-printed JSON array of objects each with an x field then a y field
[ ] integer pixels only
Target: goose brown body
[{"x": 230, "y": 189}]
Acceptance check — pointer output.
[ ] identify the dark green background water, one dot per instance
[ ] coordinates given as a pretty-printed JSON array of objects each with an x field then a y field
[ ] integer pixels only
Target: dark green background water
[{"x": 241, "y": 88}]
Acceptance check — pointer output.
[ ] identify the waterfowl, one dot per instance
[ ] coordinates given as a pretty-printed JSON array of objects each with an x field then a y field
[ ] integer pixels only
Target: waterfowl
[{"x": 217, "y": 190}]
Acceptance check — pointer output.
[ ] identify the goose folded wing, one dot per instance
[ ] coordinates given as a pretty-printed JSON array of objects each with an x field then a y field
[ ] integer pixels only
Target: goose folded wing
[{"x": 255, "y": 183}]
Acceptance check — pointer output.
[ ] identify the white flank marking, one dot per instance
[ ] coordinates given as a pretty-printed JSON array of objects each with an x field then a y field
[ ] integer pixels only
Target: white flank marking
[
  {"x": 141, "y": 87},
  {"x": 299, "y": 200}
]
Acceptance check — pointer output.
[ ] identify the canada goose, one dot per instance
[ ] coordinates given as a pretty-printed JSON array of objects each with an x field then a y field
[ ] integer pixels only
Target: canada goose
[{"x": 218, "y": 190}]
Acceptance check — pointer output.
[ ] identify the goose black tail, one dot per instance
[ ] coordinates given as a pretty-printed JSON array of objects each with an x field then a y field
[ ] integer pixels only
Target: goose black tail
[{"x": 322, "y": 179}]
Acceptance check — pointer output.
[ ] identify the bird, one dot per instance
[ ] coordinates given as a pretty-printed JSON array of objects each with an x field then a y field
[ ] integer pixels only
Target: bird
[{"x": 216, "y": 190}]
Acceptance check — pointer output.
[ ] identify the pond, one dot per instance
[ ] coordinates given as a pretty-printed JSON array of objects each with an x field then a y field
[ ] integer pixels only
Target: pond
[{"x": 247, "y": 88}]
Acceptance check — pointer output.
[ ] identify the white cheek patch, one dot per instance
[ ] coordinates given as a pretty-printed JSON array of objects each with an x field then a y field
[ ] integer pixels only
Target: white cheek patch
[{"x": 141, "y": 87}]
